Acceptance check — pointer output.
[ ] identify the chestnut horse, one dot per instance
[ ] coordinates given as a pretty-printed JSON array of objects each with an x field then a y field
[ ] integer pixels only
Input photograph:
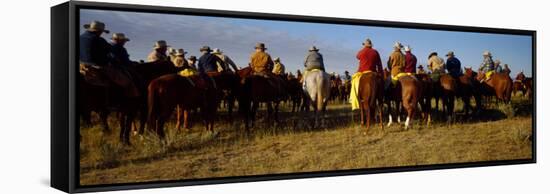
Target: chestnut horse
[
  {"x": 447, "y": 90},
  {"x": 168, "y": 91},
  {"x": 370, "y": 95},
  {"x": 408, "y": 92},
  {"x": 500, "y": 85}
]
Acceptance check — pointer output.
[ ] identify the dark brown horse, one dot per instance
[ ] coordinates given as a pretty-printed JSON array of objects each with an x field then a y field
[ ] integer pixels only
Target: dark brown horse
[
  {"x": 468, "y": 87},
  {"x": 447, "y": 91},
  {"x": 296, "y": 93},
  {"x": 370, "y": 95},
  {"x": 426, "y": 96},
  {"x": 524, "y": 84},
  {"x": 168, "y": 91},
  {"x": 256, "y": 89},
  {"x": 499, "y": 85}
]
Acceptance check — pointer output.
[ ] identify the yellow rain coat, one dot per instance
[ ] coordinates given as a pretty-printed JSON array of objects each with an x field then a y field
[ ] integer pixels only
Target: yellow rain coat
[{"x": 353, "y": 97}]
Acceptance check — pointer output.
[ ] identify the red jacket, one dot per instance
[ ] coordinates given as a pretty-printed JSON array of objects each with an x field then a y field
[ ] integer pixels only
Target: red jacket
[
  {"x": 410, "y": 63},
  {"x": 369, "y": 60}
]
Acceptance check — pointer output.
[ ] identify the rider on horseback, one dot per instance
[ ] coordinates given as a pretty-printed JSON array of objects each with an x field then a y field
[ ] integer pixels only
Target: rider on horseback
[
  {"x": 369, "y": 61},
  {"x": 226, "y": 62},
  {"x": 436, "y": 65},
  {"x": 98, "y": 59},
  {"x": 488, "y": 66},
  {"x": 396, "y": 63},
  {"x": 262, "y": 65},
  {"x": 453, "y": 65},
  {"x": 159, "y": 52},
  {"x": 278, "y": 68},
  {"x": 410, "y": 61}
]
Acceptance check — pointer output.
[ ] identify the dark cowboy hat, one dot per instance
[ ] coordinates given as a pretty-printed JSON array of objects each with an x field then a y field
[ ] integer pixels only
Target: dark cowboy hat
[
  {"x": 120, "y": 36},
  {"x": 260, "y": 46},
  {"x": 205, "y": 48},
  {"x": 420, "y": 67},
  {"x": 192, "y": 57},
  {"x": 313, "y": 48},
  {"x": 96, "y": 26},
  {"x": 432, "y": 54}
]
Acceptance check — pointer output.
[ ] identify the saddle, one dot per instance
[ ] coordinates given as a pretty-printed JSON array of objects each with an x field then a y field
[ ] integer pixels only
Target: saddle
[{"x": 489, "y": 75}]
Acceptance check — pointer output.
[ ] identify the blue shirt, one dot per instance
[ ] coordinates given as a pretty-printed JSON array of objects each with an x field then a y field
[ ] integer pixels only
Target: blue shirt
[
  {"x": 94, "y": 49},
  {"x": 453, "y": 66},
  {"x": 208, "y": 63},
  {"x": 120, "y": 54}
]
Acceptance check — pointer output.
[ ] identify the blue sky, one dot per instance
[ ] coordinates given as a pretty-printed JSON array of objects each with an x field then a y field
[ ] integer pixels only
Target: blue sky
[{"x": 291, "y": 40}]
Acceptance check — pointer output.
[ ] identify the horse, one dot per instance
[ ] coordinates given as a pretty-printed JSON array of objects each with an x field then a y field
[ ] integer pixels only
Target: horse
[
  {"x": 370, "y": 95},
  {"x": 334, "y": 90},
  {"x": 524, "y": 84},
  {"x": 345, "y": 89},
  {"x": 426, "y": 96},
  {"x": 468, "y": 88},
  {"x": 407, "y": 93},
  {"x": 318, "y": 90},
  {"x": 296, "y": 93},
  {"x": 499, "y": 84},
  {"x": 447, "y": 89},
  {"x": 257, "y": 88},
  {"x": 171, "y": 90}
]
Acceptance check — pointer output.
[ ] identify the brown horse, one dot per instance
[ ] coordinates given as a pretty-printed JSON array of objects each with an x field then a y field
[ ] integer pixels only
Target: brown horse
[
  {"x": 411, "y": 90},
  {"x": 168, "y": 91},
  {"x": 447, "y": 91},
  {"x": 468, "y": 87},
  {"x": 524, "y": 84},
  {"x": 370, "y": 95},
  {"x": 499, "y": 85},
  {"x": 296, "y": 93},
  {"x": 345, "y": 89},
  {"x": 426, "y": 96},
  {"x": 254, "y": 90}
]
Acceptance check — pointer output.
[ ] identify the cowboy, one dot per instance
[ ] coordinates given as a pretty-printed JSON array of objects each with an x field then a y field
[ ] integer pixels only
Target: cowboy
[
  {"x": 191, "y": 61},
  {"x": 347, "y": 77},
  {"x": 299, "y": 75},
  {"x": 488, "y": 66},
  {"x": 410, "y": 61},
  {"x": 369, "y": 59},
  {"x": 278, "y": 68},
  {"x": 260, "y": 61},
  {"x": 396, "y": 61},
  {"x": 314, "y": 60},
  {"x": 420, "y": 70},
  {"x": 453, "y": 65},
  {"x": 119, "y": 53},
  {"x": 159, "y": 52},
  {"x": 208, "y": 63},
  {"x": 498, "y": 68},
  {"x": 179, "y": 59},
  {"x": 227, "y": 62},
  {"x": 94, "y": 50},
  {"x": 436, "y": 66}
]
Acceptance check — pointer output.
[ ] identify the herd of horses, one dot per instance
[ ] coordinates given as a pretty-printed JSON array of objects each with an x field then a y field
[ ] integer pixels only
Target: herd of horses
[{"x": 163, "y": 91}]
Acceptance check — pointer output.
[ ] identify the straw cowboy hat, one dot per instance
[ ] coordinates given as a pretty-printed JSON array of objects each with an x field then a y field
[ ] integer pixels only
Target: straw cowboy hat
[
  {"x": 96, "y": 26},
  {"x": 432, "y": 54},
  {"x": 487, "y": 53},
  {"x": 205, "y": 48},
  {"x": 217, "y": 51},
  {"x": 497, "y": 61},
  {"x": 120, "y": 36},
  {"x": 407, "y": 48},
  {"x": 260, "y": 45},
  {"x": 180, "y": 52},
  {"x": 397, "y": 45},
  {"x": 277, "y": 59},
  {"x": 450, "y": 53},
  {"x": 367, "y": 42},
  {"x": 313, "y": 48},
  {"x": 160, "y": 44}
]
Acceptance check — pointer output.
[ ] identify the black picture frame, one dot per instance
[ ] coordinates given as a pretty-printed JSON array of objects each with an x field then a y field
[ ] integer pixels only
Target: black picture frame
[{"x": 64, "y": 121}]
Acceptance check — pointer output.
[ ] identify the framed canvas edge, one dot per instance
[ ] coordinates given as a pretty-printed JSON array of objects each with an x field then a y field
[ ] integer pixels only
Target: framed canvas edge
[{"x": 73, "y": 171}]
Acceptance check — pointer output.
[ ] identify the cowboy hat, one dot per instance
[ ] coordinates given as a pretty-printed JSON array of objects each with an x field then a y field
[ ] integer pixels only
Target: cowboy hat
[
  {"x": 205, "y": 48},
  {"x": 397, "y": 45},
  {"x": 260, "y": 45},
  {"x": 119, "y": 36},
  {"x": 96, "y": 26},
  {"x": 432, "y": 54},
  {"x": 407, "y": 48},
  {"x": 487, "y": 53},
  {"x": 193, "y": 58},
  {"x": 216, "y": 51},
  {"x": 180, "y": 52},
  {"x": 313, "y": 48},
  {"x": 367, "y": 42},
  {"x": 277, "y": 59},
  {"x": 497, "y": 61},
  {"x": 420, "y": 67},
  {"x": 160, "y": 44},
  {"x": 450, "y": 53}
]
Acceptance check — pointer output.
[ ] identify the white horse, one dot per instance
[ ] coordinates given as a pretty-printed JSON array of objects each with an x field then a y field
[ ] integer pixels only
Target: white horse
[{"x": 317, "y": 88}]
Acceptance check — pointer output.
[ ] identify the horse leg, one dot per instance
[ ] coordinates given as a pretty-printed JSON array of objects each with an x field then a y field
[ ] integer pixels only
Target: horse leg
[
  {"x": 186, "y": 119},
  {"x": 362, "y": 115},
  {"x": 178, "y": 117}
]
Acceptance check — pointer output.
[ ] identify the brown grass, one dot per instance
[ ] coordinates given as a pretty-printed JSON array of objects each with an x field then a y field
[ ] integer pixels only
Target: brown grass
[{"x": 291, "y": 148}]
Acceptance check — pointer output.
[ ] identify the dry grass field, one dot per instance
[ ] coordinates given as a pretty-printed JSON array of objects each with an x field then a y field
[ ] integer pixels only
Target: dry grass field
[{"x": 498, "y": 133}]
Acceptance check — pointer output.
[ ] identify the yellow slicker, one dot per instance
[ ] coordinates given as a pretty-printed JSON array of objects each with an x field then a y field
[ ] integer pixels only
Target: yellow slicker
[
  {"x": 396, "y": 77},
  {"x": 188, "y": 72},
  {"x": 353, "y": 98}
]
